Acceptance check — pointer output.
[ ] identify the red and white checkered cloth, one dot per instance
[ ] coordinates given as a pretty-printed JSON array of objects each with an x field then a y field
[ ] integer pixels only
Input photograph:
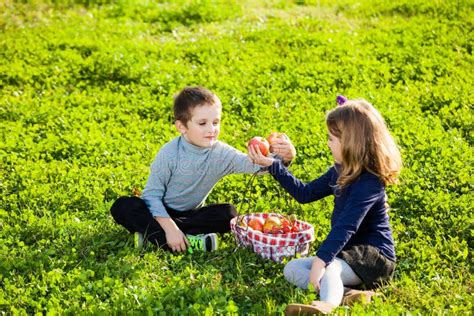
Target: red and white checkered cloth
[{"x": 273, "y": 246}]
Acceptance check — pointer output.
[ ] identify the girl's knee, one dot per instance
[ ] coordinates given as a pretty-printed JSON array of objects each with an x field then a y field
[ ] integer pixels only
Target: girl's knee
[
  {"x": 334, "y": 268},
  {"x": 297, "y": 272},
  {"x": 291, "y": 270}
]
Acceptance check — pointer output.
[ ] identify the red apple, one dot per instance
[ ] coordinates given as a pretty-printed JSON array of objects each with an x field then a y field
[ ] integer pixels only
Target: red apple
[
  {"x": 256, "y": 224},
  {"x": 275, "y": 135},
  {"x": 262, "y": 144},
  {"x": 276, "y": 230}
]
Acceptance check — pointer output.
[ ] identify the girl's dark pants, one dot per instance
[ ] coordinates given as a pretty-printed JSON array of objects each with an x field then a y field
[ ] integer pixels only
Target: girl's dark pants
[{"x": 133, "y": 214}]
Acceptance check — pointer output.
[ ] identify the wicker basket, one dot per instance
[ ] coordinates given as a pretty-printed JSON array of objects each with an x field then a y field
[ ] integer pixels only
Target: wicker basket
[{"x": 273, "y": 246}]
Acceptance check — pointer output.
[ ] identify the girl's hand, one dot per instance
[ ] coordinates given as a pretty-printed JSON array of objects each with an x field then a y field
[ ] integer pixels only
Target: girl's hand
[
  {"x": 284, "y": 148},
  {"x": 317, "y": 271},
  {"x": 258, "y": 158}
]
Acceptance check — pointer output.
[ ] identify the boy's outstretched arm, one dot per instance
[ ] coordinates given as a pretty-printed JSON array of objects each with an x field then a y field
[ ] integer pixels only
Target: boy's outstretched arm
[{"x": 256, "y": 156}]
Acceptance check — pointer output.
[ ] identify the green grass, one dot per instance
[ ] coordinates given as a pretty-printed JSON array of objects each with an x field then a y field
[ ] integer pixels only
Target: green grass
[{"x": 86, "y": 96}]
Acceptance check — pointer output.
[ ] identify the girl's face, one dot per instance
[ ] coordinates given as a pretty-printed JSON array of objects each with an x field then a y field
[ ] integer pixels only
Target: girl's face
[
  {"x": 336, "y": 149},
  {"x": 204, "y": 126}
]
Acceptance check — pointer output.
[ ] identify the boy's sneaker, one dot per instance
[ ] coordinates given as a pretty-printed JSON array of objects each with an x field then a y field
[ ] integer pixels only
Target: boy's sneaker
[
  {"x": 138, "y": 240},
  {"x": 207, "y": 242}
]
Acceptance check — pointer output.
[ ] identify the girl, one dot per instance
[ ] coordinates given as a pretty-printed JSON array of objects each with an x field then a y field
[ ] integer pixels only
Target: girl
[{"x": 359, "y": 249}]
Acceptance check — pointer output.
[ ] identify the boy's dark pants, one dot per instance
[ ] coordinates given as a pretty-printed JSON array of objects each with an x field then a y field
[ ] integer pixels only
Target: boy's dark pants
[{"x": 133, "y": 214}]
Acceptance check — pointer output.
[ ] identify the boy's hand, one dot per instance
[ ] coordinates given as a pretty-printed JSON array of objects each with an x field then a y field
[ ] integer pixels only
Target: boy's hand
[
  {"x": 177, "y": 241},
  {"x": 175, "y": 238},
  {"x": 258, "y": 158},
  {"x": 284, "y": 148},
  {"x": 317, "y": 272}
]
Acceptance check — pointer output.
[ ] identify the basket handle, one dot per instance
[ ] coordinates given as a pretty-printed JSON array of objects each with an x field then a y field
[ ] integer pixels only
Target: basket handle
[
  {"x": 240, "y": 213},
  {"x": 246, "y": 192},
  {"x": 290, "y": 202}
]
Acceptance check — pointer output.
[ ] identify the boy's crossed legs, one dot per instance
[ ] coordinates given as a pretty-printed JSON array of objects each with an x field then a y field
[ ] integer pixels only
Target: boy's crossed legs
[{"x": 133, "y": 214}]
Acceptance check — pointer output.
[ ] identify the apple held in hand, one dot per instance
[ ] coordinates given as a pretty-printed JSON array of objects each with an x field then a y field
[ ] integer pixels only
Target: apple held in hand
[
  {"x": 262, "y": 144},
  {"x": 274, "y": 136}
]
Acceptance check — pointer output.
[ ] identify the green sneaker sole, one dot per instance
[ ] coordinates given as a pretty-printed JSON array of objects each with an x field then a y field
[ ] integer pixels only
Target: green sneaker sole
[{"x": 138, "y": 240}]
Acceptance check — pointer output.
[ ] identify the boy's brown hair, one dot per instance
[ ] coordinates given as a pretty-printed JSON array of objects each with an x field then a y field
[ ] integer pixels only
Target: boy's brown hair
[{"x": 189, "y": 98}]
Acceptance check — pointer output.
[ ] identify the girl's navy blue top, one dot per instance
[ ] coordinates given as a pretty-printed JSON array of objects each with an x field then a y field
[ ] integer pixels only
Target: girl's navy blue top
[{"x": 360, "y": 214}]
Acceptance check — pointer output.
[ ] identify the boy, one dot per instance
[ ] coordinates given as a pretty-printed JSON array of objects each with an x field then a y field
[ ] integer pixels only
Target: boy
[{"x": 183, "y": 173}]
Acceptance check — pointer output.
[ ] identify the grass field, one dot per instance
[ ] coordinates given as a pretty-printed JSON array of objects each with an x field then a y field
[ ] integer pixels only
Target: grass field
[{"x": 85, "y": 104}]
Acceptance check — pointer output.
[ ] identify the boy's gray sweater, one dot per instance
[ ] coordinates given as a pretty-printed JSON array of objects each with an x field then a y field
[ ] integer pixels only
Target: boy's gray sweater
[{"x": 182, "y": 174}]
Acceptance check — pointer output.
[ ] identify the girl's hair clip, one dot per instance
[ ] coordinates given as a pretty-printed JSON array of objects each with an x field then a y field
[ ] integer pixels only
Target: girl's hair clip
[{"x": 341, "y": 100}]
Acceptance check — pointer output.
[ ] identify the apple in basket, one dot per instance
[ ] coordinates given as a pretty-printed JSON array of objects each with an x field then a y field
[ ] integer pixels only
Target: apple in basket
[
  {"x": 286, "y": 226},
  {"x": 262, "y": 144},
  {"x": 272, "y": 225},
  {"x": 276, "y": 225},
  {"x": 292, "y": 223},
  {"x": 256, "y": 224}
]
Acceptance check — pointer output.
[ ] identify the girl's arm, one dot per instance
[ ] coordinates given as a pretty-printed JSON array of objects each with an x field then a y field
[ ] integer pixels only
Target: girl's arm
[
  {"x": 362, "y": 196},
  {"x": 302, "y": 192}
]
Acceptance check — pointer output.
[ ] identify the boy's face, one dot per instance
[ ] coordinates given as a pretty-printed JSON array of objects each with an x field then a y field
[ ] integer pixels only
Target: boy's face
[{"x": 204, "y": 126}]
